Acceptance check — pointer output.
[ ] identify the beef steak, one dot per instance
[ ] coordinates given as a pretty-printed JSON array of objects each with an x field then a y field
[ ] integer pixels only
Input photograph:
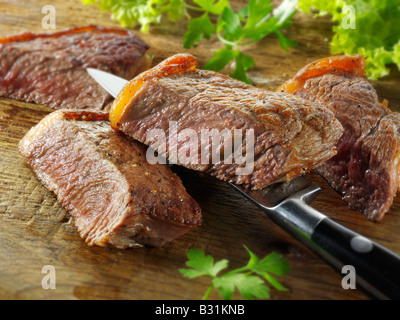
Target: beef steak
[
  {"x": 366, "y": 168},
  {"x": 103, "y": 179},
  {"x": 50, "y": 68},
  {"x": 290, "y": 135}
]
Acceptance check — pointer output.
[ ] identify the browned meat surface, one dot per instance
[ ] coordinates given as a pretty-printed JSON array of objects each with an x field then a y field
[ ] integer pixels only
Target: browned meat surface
[
  {"x": 291, "y": 135},
  {"x": 366, "y": 168},
  {"x": 50, "y": 69},
  {"x": 103, "y": 179}
]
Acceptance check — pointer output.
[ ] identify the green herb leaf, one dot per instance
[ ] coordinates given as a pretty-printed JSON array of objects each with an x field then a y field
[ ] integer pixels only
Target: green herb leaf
[
  {"x": 243, "y": 63},
  {"x": 285, "y": 12},
  {"x": 221, "y": 58},
  {"x": 285, "y": 42},
  {"x": 272, "y": 263},
  {"x": 247, "y": 285},
  {"x": 273, "y": 281},
  {"x": 231, "y": 24},
  {"x": 248, "y": 280},
  {"x": 259, "y": 22},
  {"x": 234, "y": 29},
  {"x": 198, "y": 28},
  {"x": 202, "y": 264},
  {"x": 212, "y": 6}
]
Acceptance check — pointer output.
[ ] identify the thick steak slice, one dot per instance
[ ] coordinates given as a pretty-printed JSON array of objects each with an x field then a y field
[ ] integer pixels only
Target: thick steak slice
[
  {"x": 50, "y": 68},
  {"x": 103, "y": 179},
  {"x": 291, "y": 135},
  {"x": 367, "y": 166}
]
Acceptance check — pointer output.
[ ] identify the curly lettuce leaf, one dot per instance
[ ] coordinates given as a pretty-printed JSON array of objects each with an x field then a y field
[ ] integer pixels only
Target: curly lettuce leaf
[
  {"x": 143, "y": 12},
  {"x": 376, "y": 34}
]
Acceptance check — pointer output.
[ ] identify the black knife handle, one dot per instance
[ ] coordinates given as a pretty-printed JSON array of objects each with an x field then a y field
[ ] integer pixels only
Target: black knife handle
[{"x": 377, "y": 269}]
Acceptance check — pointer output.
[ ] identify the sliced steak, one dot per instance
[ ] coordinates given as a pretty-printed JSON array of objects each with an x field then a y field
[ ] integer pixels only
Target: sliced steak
[
  {"x": 103, "y": 179},
  {"x": 50, "y": 68},
  {"x": 366, "y": 168},
  {"x": 291, "y": 135}
]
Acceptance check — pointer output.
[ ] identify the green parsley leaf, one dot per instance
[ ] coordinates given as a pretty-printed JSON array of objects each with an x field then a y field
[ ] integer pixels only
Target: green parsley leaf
[
  {"x": 202, "y": 264},
  {"x": 198, "y": 28},
  {"x": 251, "y": 23},
  {"x": 285, "y": 42},
  {"x": 248, "y": 280},
  {"x": 273, "y": 263},
  {"x": 247, "y": 285},
  {"x": 243, "y": 63},
  {"x": 231, "y": 24},
  {"x": 221, "y": 58},
  {"x": 273, "y": 281},
  {"x": 212, "y": 6},
  {"x": 285, "y": 12},
  {"x": 259, "y": 23}
]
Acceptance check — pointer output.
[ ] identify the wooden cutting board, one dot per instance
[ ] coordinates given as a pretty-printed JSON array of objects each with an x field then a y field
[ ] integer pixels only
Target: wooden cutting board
[{"x": 36, "y": 231}]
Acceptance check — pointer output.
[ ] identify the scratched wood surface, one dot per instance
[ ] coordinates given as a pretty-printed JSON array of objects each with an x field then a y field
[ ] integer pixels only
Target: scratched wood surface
[{"x": 36, "y": 231}]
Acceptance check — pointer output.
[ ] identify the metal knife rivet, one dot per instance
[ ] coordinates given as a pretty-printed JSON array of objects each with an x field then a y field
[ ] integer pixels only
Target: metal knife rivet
[{"x": 361, "y": 244}]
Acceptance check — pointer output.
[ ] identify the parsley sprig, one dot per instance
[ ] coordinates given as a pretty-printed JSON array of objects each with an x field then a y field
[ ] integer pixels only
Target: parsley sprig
[
  {"x": 236, "y": 29},
  {"x": 253, "y": 22},
  {"x": 248, "y": 280}
]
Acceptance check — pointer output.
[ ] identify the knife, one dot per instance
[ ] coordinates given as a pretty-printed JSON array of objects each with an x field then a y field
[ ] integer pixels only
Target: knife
[{"x": 370, "y": 265}]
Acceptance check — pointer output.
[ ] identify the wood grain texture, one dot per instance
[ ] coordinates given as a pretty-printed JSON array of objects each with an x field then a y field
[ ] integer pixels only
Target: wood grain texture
[{"x": 36, "y": 231}]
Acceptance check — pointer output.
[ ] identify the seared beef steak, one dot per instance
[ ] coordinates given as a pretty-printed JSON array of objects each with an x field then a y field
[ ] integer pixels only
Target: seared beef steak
[
  {"x": 291, "y": 135},
  {"x": 367, "y": 167},
  {"x": 102, "y": 177},
  {"x": 50, "y": 69}
]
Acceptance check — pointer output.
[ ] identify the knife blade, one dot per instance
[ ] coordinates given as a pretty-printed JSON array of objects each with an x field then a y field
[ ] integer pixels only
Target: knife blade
[
  {"x": 111, "y": 83},
  {"x": 375, "y": 268}
]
